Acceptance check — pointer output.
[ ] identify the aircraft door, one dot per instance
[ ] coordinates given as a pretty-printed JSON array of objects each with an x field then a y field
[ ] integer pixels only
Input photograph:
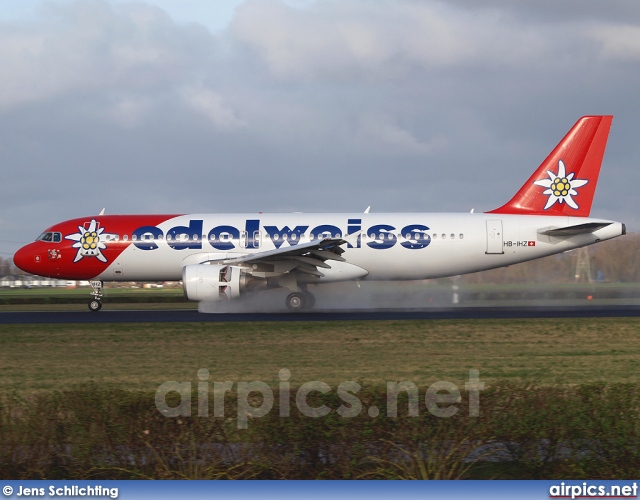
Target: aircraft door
[{"x": 494, "y": 237}]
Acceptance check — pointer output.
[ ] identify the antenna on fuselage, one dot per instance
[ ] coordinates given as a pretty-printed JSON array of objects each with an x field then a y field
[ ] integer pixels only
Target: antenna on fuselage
[
  {"x": 367, "y": 210},
  {"x": 102, "y": 211}
]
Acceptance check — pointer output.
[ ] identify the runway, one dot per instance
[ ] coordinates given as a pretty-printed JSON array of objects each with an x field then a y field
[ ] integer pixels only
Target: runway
[{"x": 181, "y": 316}]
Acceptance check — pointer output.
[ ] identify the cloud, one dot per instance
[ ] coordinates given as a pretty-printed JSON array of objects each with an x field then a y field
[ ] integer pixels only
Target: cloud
[
  {"x": 385, "y": 135},
  {"x": 357, "y": 37},
  {"x": 90, "y": 46},
  {"x": 617, "y": 42},
  {"x": 212, "y": 105},
  {"x": 305, "y": 105},
  {"x": 129, "y": 111}
]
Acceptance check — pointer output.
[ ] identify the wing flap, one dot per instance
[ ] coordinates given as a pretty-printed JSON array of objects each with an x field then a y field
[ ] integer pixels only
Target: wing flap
[
  {"x": 311, "y": 261},
  {"x": 326, "y": 245},
  {"x": 307, "y": 269},
  {"x": 327, "y": 255}
]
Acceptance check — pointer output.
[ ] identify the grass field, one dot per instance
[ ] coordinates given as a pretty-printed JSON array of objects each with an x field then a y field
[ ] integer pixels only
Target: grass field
[
  {"x": 142, "y": 356},
  {"x": 560, "y": 399}
]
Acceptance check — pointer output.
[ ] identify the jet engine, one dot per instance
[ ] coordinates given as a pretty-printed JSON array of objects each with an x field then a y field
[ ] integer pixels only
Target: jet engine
[{"x": 213, "y": 282}]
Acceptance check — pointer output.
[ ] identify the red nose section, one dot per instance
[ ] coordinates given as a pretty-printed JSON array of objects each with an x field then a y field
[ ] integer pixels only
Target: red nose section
[{"x": 28, "y": 259}]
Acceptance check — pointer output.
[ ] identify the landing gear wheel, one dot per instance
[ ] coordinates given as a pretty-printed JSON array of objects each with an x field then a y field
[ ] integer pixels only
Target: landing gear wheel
[
  {"x": 95, "y": 305},
  {"x": 296, "y": 301}
]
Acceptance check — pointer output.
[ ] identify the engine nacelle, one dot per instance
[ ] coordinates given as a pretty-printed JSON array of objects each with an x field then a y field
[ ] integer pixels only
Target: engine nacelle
[{"x": 212, "y": 282}]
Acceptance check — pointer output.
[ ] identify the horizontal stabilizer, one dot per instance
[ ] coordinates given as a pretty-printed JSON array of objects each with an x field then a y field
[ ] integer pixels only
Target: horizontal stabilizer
[{"x": 589, "y": 227}]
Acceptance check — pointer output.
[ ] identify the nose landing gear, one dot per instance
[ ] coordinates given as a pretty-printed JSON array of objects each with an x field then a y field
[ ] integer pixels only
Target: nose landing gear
[{"x": 95, "y": 304}]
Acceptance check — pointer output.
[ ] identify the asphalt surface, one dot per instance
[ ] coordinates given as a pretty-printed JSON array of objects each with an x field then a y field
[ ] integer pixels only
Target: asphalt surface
[{"x": 181, "y": 316}]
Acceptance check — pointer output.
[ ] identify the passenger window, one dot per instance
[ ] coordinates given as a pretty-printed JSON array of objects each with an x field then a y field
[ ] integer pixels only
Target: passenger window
[
  {"x": 444, "y": 236},
  {"x": 453, "y": 236},
  {"x": 435, "y": 236},
  {"x": 461, "y": 236}
]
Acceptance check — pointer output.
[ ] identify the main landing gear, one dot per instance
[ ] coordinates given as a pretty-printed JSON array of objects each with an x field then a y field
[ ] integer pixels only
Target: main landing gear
[
  {"x": 300, "y": 301},
  {"x": 95, "y": 304}
]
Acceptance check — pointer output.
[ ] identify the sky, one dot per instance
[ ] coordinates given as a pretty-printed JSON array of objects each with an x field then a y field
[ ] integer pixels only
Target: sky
[{"x": 301, "y": 105}]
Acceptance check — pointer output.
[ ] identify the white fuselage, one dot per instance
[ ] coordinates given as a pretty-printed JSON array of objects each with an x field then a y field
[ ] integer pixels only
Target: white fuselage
[{"x": 386, "y": 246}]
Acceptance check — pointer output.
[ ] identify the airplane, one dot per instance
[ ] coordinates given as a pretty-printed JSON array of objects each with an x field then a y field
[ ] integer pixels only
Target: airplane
[{"x": 219, "y": 257}]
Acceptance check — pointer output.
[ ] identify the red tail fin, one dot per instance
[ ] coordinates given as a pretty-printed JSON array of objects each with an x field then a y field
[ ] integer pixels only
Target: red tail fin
[{"x": 566, "y": 181}]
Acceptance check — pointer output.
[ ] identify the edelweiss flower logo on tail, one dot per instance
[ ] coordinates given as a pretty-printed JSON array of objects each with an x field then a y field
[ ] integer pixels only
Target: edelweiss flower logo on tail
[
  {"x": 88, "y": 241},
  {"x": 561, "y": 187}
]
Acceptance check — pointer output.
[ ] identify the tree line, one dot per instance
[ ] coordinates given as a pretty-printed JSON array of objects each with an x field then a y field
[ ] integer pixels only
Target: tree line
[{"x": 7, "y": 268}]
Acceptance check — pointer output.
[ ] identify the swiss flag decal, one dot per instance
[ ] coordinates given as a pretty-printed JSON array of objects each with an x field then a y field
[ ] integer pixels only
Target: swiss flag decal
[{"x": 531, "y": 243}]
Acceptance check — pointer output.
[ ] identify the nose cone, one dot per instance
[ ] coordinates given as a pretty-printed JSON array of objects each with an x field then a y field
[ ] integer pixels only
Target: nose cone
[{"x": 25, "y": 259}]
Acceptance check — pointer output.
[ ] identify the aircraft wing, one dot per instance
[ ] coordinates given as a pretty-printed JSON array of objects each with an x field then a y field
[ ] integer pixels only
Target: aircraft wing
[{"x": 306, "y": 258}]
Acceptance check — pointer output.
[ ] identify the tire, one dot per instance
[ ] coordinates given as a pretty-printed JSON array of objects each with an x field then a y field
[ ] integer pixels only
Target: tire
[
  {"x": 296, "y": 302},
  {"x": 95, "y": 305}
]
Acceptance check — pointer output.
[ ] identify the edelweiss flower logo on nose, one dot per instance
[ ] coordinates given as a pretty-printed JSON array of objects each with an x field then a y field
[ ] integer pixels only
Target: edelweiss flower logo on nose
[
  {"x": 561, "y": 187},
  {"x": 88, "y": 241}
]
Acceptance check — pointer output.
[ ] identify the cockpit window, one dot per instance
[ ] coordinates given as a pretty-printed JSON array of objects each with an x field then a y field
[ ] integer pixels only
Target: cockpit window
[{"x": 49, "y": 236}]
